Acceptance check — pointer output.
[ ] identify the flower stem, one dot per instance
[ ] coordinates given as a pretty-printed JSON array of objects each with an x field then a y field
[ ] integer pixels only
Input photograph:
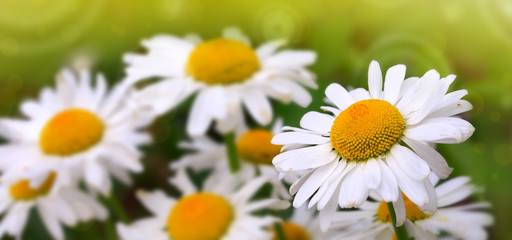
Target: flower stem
[
  {"x": 114, "y": 204},
  {"x": 400, "y": 232},
  {"x": 279, "y": 231},
  {"x": 110, "y": 229},
  {"x": 234, "y": 163}
]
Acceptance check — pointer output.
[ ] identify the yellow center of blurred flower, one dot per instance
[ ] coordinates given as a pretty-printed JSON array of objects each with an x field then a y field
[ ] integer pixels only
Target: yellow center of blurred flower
[
  {"x": 255, "y": 146},
  {"x": 412, "y": 211},
  {"x": 204, "y": 216},
  {"x": 366, "y": 129},
  {"x": 71, "y": 131},
  {"x": 292, "y": 231},
  {"x": 21, "y": 190},
  {"x": 222, "y": 61}
]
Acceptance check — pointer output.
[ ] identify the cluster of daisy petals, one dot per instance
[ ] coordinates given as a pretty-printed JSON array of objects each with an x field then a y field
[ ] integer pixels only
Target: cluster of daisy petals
[{"x": 372, "y": 150}]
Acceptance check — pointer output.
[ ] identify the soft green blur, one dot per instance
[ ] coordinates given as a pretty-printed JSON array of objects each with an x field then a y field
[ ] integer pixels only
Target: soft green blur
[{"x": 469, "y": 38}]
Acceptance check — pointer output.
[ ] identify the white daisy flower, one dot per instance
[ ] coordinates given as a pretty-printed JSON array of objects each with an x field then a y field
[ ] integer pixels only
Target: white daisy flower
[
  {"x": 55, "y": 204},
  {"x": 254, "y": 149},
  {"x": 75, "y": 129},
  {"x": 226, "y": 73},
  {"x": 221, "y": 210},
  {"x": 375, "y": 140},
  {"x": 461, "y": 221}
]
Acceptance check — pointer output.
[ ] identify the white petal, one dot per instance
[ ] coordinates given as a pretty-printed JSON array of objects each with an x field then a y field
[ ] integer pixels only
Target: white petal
[
  {"x": 359, "y": 94},
  {"x": 394, "y": 78},
  {"x": 199, "y": 119},
  {"x": 317, "y": 122},
  {"x": 409, "y": 162},
  {"x": 156, "y": 202},
  {"x": 435, "y": 160},
  {"x": 353, "y": 191},
  {"x": 313, "y": 183},
  {"x": 414, "y": 190},
  {"x": 299, "y": 138},
  {"x": 304, "y": 158},
  {"x": 339, "y": 96},
  {"x": 266, "y": 50},
  {"x": 441, "y": 130},
  {"x": 258, "y": 106},
  {"x": 375, "y": 80},
  {"x": 372, "y": 173},
  {"x": 431, "y": 207},
  {"x": 399, "y": 206},
  {"x": 290, "y": 59},
  {"x": 388, "y": 188},
  {"x": 235, "y": 34}
]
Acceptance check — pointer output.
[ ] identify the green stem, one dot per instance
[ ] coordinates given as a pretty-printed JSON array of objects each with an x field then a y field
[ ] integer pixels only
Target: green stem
[
  {"x": 117, "y": 208},
  {"x": 400, "y": 232},
  {"x": 279, "y": 231},
  {"x": 111, "y": 229},
  {"x": 234, "y": 163}
]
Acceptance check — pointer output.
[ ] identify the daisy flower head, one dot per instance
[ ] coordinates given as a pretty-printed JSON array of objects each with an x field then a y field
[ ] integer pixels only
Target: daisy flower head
[
  {"x": 453, "y": 218},
  {"x": 254, "y": 148},
  {"x": 226, "y": 73},
  {"x": 73, "y": 206},
  {"x": 222, "y": 209},
  {"x": 375, "y": 140},
  {"x": 76, "y": 129}
]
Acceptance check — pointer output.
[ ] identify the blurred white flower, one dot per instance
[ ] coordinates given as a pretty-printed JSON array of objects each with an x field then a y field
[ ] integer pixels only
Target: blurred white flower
[
  {"x": 222, "y": 209},
  {"x": 75, "y": 130},
  {"x": 56, "y": 205},
  {"x": 462, "y": 221},
  {"x": 254, "y": 149},
  {"x": 226, "y": 73},
  {"x": 374, "y": 140},
  {"x": 304, "y": 225}
]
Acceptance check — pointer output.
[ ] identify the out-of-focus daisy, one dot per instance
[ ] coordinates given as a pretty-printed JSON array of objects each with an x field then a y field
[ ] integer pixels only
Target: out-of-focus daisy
[
  {"x": 304, "y": 225},
  {"x": 75, "y": 129},
  {"x": 462, "y": 221},
  {"x": 362, "y": 144},
  {"x": 221, "y": 210},
  {"x": 226, "y": 73},
  {"x": 254, "y": 148},
  {"x": 55, "y": 204}
]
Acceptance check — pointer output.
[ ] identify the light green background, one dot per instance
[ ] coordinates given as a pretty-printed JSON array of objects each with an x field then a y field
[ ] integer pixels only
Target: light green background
[{"x": 469, "y": 38}]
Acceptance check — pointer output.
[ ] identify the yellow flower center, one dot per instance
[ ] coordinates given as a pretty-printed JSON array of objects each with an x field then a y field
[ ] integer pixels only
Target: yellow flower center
[
  {"x": 255, "y": 146},
  {"x": 366, "y": 129},
  {"x": 412, "y": 211},
  {"x": 71, "y": 131},
  {"x": 292, "y": 231},
  {"x": 222, "y": 61},
  {"x": 204, "y": 216},
  {"x": 21, "y": 190}
]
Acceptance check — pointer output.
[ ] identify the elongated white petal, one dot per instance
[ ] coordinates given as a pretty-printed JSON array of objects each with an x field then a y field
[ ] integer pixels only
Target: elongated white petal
[
  {"x": 304, "y": 158},
  {"x": 339, "y": 96},
  {"x": 435, "y": 160},
  {"x": 375, "y": 80},
  {"x": 394, "y": 78},
  {"x": 409, "y": 162},
  {"x": 317, "y": 122}
]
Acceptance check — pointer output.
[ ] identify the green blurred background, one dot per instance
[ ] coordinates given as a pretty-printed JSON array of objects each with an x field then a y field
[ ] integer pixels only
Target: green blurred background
[{"x": 469, "y": 38}]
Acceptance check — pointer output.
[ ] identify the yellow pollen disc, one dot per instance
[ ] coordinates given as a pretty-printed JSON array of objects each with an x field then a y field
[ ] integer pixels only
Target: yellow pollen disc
[
  {"x": 222, "y": 61},
  {"x": 201, "y": 216},
  {"x": 255, "y": 146},
  {"x": 21, "y": 190},
  {"x": 292, "y": 231},
  {"x": 71, "y": 131},
  {"x": 412, "y": 211},
  {"x": 366, "y": 129}
]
